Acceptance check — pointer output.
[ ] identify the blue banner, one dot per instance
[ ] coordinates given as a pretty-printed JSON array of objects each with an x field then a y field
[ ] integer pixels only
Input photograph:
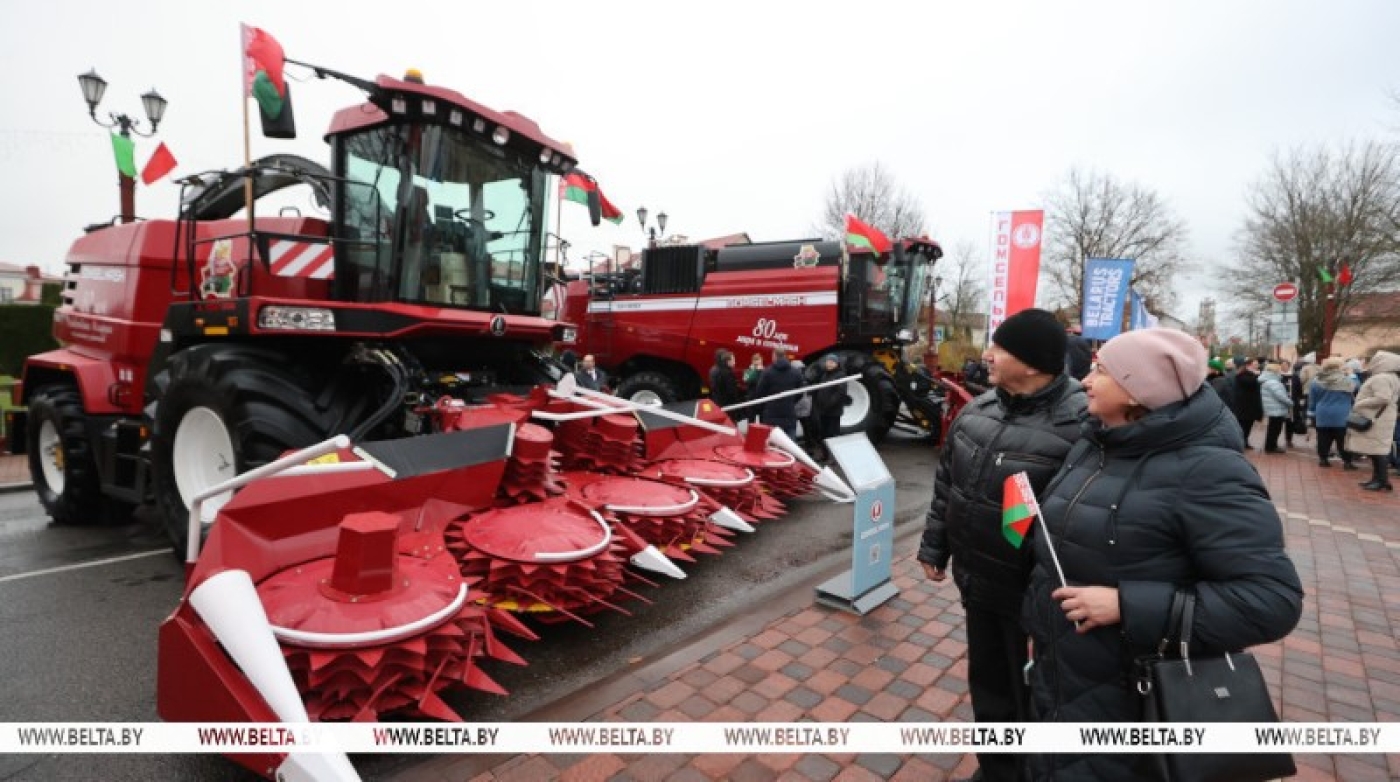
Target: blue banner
[
  {"x": 1139, "y": 318},
  {"x": 1105, "y": 293}
]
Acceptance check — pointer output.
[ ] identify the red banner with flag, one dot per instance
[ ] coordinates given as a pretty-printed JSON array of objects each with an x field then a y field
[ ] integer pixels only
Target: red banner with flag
[{"x": 1015, "y": 263}]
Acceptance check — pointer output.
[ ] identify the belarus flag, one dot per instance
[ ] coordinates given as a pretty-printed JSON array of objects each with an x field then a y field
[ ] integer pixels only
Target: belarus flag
[{"x": 1018, "y": 508}]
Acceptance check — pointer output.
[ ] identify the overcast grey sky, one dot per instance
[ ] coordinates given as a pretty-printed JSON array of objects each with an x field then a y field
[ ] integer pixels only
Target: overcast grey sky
[{"x": 736, "y": 116}]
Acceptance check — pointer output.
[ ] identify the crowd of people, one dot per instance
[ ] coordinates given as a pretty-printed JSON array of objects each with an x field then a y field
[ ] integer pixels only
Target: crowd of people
[
  {"x": 1296, "y": 402},
  {"x": 1144, "y": 492}
]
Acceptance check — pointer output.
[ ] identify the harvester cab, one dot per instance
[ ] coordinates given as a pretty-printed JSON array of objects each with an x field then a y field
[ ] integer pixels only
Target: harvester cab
[
  {"x": 201, "y": 347},
  {"x": 656, "y": 327}
]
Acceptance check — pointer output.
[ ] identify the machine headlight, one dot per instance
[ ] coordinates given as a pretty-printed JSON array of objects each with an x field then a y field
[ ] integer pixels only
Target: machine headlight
[
  {"x": 296, "y": 318},
  {"x": 568, "y": 335},
  {"x": 905, "y": 335}
]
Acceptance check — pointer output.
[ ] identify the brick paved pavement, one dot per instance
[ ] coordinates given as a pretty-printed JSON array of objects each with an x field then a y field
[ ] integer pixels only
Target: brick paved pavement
[{"x": 905, "y": 661}]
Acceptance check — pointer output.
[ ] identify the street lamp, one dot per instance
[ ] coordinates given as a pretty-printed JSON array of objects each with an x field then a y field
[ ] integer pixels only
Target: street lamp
[
  {"x": 931, "y": 356},
  {"x": 93, "y": 87},
  {"x": 652, "y": 232}
]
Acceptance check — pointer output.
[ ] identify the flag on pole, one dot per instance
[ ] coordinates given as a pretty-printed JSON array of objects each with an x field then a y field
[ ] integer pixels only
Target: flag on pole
[
  {"x": 263, "y": 81},
  {"x": 125, "y": 151},
  {"x": 1325, "y": 275},
  {"x": 1018, "y": 508},
  {"x": 160, "y": 164},
  {"x": 864, "y": 235},
  {"x": 578, "y": 187},
  {"x": 1345, "y": 277}
]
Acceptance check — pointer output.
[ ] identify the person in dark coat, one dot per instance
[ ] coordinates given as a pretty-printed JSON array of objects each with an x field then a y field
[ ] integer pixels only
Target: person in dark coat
[
  {"x": 780, "y": 376},
  {"x": 1079, "y": 354},
  {"x": 827, "y": 404},
  {"x": 724, "y": 384},
  {"x": 1223, "y": 384},
  {"x": 590, "y": 376},
  {"x": 1157, "y": 497},
  {"x": 1249, "y": 399},
  {"x": 1026, "y": 422}
]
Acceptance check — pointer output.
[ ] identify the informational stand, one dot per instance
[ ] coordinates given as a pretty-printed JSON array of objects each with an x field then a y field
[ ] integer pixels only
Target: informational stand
[{"x": 867, "y": 585}]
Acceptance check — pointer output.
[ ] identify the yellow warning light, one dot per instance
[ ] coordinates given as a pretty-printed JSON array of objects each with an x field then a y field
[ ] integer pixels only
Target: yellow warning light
[{"x": 413, "y": 75}]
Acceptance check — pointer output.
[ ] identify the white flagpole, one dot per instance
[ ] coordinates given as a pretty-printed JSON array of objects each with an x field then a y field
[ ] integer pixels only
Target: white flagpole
[{"x": 1023, "y": 483}]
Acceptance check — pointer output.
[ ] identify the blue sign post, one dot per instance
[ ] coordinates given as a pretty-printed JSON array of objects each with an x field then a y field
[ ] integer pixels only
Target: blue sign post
[{"x": 867, "y": 584}]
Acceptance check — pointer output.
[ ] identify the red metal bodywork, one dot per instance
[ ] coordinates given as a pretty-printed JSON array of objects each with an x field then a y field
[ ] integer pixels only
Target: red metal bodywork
[{"x": 733, "y": 309}]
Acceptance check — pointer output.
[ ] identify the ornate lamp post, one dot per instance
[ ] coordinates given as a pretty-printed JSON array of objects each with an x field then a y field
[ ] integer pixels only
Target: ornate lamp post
[
  {"x": 93, "y": 87},
  {"x": 652, "y": 232},
  {"x": 931, "y": 356}
]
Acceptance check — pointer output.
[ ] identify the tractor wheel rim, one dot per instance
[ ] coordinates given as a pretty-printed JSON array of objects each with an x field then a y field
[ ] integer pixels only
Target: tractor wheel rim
[
  {"x": 51, "y": 456},
  {"x": 202, "y": 456},
  {"x": 646, "y": 397},
  {"x": 859, "y": 408}
]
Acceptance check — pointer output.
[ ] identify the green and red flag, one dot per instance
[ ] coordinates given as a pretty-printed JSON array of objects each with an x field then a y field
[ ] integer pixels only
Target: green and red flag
[
  {"x": 861, "y": 234},
  {"x": 610, "y": 213},
  {"x": 160, "y": 164},
  {"x": 1325, "y": 275},
  {"x": 577, "y": 186},
  {"x": 1344, "y": 278},
  {"x": 263, "y": 81},
  {"x": 124, "y": 149},
  {"x": 1018, "y": 508}
]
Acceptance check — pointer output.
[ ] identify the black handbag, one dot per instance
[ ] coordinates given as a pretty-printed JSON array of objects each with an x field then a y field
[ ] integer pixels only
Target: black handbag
[
  {"x": 1207, "y": 688},
  {"x": 1358, "y": 422}
]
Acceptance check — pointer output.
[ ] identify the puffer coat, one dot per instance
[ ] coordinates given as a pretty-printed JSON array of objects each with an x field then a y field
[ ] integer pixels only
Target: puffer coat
[
  {"x": 1274, "y": 395},
  {"x": 996, "y": 435},
  {"x": 1165, "y": 502},
  {"x": 1376, "y": 400}
]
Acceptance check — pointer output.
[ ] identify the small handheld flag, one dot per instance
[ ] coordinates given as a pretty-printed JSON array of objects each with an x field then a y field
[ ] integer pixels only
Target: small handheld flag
[
  {"x": 1018, "y": 509},
  {"x": 863, "y": 235}
]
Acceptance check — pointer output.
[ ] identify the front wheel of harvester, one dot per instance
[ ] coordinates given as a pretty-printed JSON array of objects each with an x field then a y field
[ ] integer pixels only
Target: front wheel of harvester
[
  {"x": 649, "y": 388},
  {"x": 873, "y": 407},
  {"x": 61, "y": 461},
  {"x": 228, "y": 409}
]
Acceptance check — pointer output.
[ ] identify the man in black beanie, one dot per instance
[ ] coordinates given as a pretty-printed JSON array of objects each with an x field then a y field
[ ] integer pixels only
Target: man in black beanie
[{"x": 1027, "y": 422}]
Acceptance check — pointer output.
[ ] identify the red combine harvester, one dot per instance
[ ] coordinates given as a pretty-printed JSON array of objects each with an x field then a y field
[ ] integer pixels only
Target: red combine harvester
[
  {"x": 656, "y": 327},
  {"x": 444, "y": 479}
]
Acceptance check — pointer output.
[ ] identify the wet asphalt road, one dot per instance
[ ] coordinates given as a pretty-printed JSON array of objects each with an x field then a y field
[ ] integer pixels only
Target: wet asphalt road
[{"x": 79, "y": 644}]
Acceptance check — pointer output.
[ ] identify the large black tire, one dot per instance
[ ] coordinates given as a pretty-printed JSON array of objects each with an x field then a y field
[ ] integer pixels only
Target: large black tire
[
  {"x": 649, "y": 386},
  {"x": 874, "y": 404},
  {"x": 227, "y": 409},
  {"x": 61, "y": 460}
]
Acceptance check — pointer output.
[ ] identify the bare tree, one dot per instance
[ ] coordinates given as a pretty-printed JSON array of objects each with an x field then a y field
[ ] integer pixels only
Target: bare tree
[
  {"x": 964, "y": 274},
  {"x": 1094, "y": 215},
  {"x": 872, "y": 194},
  {"x": 1318, "y": 211}
]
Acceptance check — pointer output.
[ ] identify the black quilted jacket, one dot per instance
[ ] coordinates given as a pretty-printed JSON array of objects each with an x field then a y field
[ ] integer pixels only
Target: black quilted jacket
[
  {"x": 1164, "y": 502},
  {"x": 996, "y": 435}
]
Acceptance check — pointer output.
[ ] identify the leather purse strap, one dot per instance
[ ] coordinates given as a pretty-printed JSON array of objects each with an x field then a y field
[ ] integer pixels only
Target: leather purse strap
[
  {"x": 1173, "y": 628},
  {"x": 1187, "y": 620}
]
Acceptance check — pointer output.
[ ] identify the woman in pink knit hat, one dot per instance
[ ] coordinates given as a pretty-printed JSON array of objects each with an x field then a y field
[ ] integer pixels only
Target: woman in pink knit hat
[{"x": 1157, "y": 497}]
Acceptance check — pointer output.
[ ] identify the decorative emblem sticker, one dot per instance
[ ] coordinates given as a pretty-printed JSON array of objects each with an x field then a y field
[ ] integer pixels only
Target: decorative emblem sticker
[{"x": 806, "y": 258}]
